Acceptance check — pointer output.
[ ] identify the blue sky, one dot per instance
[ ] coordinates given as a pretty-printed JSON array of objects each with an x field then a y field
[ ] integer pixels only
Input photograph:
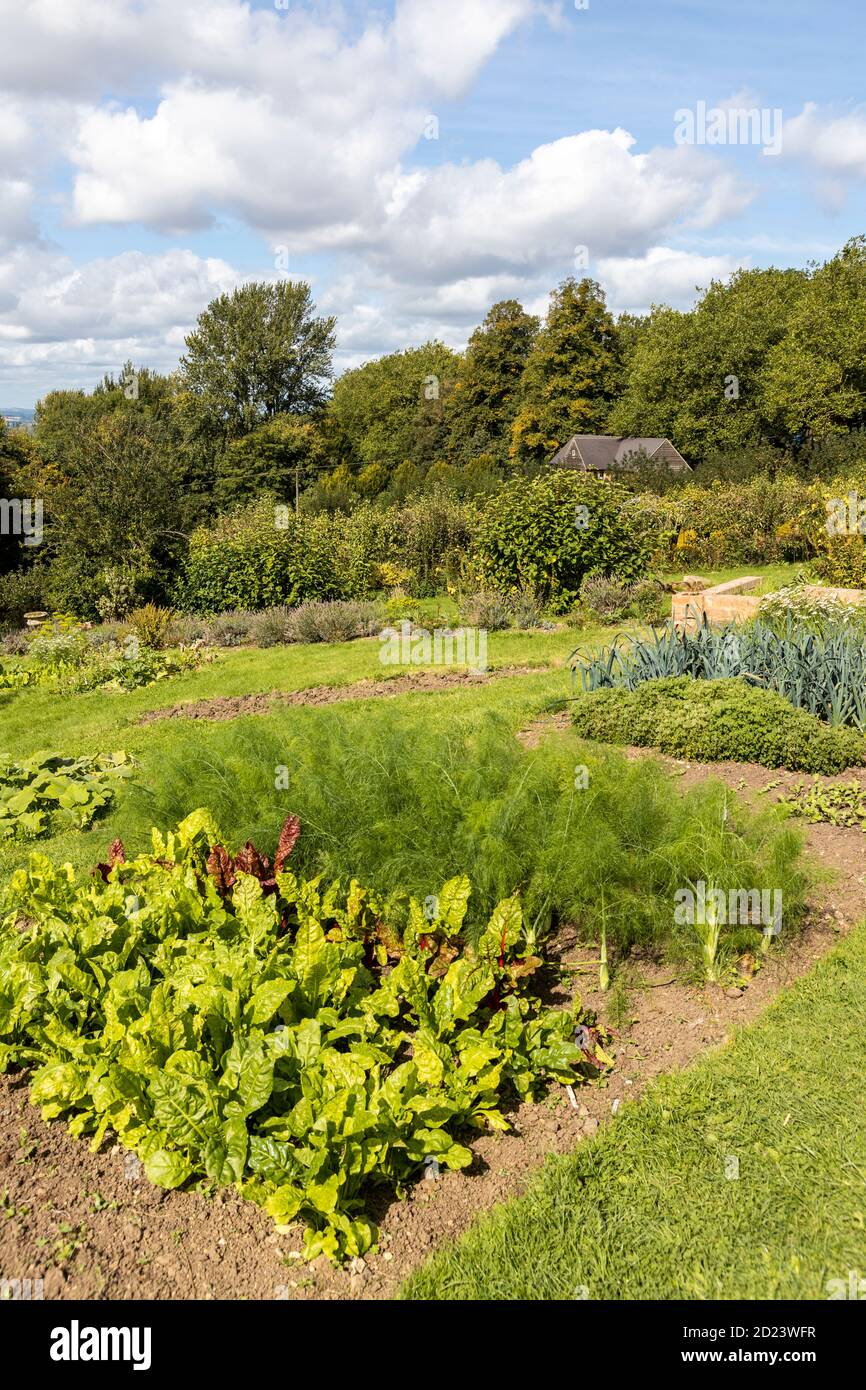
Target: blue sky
[{"x": 154, "y": 153}]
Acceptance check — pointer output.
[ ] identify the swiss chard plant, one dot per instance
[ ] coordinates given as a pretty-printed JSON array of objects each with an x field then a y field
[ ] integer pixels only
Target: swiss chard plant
[
  {"x": 47, "y": 793},
  {"x": 230, "y": 1021}
]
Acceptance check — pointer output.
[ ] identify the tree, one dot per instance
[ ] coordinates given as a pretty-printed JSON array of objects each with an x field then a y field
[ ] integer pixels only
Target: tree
[
  {"x": 16, "y": 457},
  {"x": 393, "y": 408},
  {"x": 281, "y": 457},
  {"x": 698, "y": 378},
  {"x": 258, "y": 353},
  {"x": 814, "y": 382},
  {"x": 110, "y": 470},
  {"x": 571, "y": 374},
  {"x": 484, "y": 402}
]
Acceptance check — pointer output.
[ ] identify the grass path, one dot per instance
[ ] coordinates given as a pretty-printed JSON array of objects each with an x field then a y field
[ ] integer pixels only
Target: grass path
[{"x": 646, "y": 1211}]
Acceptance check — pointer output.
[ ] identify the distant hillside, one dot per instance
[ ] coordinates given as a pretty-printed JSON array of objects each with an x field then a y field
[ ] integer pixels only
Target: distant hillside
[{"x": 16, "y": 415}]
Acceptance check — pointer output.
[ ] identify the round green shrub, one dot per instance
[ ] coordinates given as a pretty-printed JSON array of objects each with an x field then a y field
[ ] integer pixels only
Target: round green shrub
[
  {"x": 547, "y": 533},
  {"x": 718, "y": 721}
]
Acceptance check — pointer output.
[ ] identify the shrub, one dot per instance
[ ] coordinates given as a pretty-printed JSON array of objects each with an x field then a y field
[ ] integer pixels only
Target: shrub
[
  {"x": 122, "y": 588},
  {"x": 611, "y": 600},
  {"x": 533, "y": 534},
  {"x": 717, "y": 721},
  {"x": 21, "y": 591},
  {"x": 752, "y": 522},
  {"x": 434, "y": 534},
  {"x": 605, "y": 597},
  {"x": 228, "y": 629},
  {"x": 364, "y": 543},
  {"x": 270, "y": 628},
  {"x": 151, "y": 625},
  {"x": 528, "y": 609},
  {"x": 332, "y": 622},
  {"x": 489, "y": 611},
  {"x": 15, "y": 643},
  {"x": 245, "y": 560}
]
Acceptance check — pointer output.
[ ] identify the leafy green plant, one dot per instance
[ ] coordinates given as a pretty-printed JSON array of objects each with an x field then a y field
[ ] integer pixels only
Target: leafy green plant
[
  {"x": 227, "y": 1019},
  {"x": 120, "y": 668},
  {"x": 717, "y": 721},
  {"x": 837, "y": 803},
  {"x": 551, "y": 531},
  {"x": 47, "y": 793},
  {"x": 151, "y": 624}
]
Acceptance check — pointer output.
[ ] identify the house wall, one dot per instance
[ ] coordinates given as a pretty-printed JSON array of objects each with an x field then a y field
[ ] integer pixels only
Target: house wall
[{"x": 668, "y": 453}]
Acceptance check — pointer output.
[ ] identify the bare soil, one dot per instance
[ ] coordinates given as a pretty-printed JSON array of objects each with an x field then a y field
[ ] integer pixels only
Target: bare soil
[
  {"x": 232, "y": 706},
  {"x": 92, "y": 1227}
]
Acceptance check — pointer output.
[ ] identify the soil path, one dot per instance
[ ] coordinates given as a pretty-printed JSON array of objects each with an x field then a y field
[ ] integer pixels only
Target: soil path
[{"x": 426, "y": 682}]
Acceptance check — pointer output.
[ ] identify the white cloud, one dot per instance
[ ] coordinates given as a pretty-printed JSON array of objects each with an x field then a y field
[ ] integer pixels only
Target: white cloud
[
  {"x": 662, "y": 276},
  {"x": 69, "y": 318},
  {"x": 304, "y": 127},
  {"x": 836, "y": 144}
]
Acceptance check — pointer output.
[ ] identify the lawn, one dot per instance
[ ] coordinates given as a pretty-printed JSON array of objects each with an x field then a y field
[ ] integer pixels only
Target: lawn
[{"x": 743, "y": 1177}]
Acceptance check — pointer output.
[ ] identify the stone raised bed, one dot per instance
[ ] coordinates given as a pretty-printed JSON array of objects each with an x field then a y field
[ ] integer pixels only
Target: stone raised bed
[{"x": 732, "y": 603}]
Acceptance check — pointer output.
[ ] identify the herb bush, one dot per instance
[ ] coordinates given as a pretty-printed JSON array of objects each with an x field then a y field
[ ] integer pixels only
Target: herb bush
[
  {"x": 529, "y": 536},
  {"x": 717, "y": 721},
  {"x": 229, "y": 1020},
  {"x": 46, "y": 793},
  {"x": 405, "y": 800}
]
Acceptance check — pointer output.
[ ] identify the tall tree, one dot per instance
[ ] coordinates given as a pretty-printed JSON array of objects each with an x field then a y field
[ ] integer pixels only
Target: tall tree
[
  {"x": 281, "y": 457},
  {"x": 699, "y": 377},
  {"x": 484, "y": 402},
  {"x": 258, "y": 353},
  {"x": 815, "y": 378},
  {"x": 393, "y": 408},
  {"x": 571, "y": 374}
]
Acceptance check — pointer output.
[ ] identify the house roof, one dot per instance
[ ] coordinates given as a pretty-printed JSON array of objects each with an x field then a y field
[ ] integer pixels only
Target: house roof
[{"x": 600, "y": 452}]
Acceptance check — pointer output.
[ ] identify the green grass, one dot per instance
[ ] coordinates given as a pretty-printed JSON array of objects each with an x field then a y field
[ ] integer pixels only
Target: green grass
[
  {"x": 772, "y": 577},
  {"x": 33, "y": 719},
  {"x": 645, "y": 1210}
]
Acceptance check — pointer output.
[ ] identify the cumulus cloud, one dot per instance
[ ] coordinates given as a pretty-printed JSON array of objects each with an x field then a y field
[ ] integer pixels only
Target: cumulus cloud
[
  {"x": 62, "y": 317},
  {"x": 834, "y": 143},
  {"x": 662, "y": 276},
  {"x": 304, "y": 127}
]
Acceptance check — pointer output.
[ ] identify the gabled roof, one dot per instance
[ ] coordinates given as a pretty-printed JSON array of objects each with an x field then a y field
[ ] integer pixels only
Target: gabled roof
[{"x": 598, "y": 453}]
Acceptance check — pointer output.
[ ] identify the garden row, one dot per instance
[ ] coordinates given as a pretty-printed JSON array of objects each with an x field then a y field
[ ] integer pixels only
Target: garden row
[{"x": 542, "y": 535}]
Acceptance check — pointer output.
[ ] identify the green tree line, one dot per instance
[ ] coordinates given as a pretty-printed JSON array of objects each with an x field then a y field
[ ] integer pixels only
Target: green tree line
[{"x": 767, "y": 370}]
